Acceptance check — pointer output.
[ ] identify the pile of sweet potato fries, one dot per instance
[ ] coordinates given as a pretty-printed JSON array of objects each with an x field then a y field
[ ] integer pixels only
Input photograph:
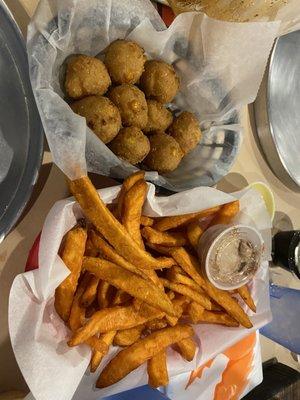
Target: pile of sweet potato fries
[{"x": 135, "y": 279}]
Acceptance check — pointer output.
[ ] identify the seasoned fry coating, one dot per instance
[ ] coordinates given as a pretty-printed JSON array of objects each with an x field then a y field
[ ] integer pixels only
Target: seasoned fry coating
[
  {"x": 198, "y": 297},
  {"x": 146, "y": 221},
  {"x": 86, "y": 76},
  {"x": 186, "y": 348},
  {"x": 106, "y": 338},
  {"x": 130, "y": 283},
  {"x": 227, "y": 213},
  {"x": 176, "y": 221},
  {"x": 132, "y": 211},
  {"x": 127, "y": 184},
  {"x": 246, "y": 296},
  {"x": 191, "y": 266},
  {"x": 72, "y": 255},
  {"x": 194, "y": 232},
  {"x": 163, "y": 238},
  {"x": 157, "y": 370},
  {"x": 90, "y": 292},
  {"x": 97, "y": 212},
  {"x": 133, "y": 356},
  {"x": 112, "y": 319},
  {"x": 127, "y": 337}
]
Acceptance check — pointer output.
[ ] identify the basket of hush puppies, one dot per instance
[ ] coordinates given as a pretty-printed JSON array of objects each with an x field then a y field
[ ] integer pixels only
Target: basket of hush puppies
[{"x": 126, "y": 101}]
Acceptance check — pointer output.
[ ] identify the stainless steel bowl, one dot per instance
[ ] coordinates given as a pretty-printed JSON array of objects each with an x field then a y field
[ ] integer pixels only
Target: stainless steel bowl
[
  {"x": 277, "y": 111},
  {"x": 21, "y": 135}
]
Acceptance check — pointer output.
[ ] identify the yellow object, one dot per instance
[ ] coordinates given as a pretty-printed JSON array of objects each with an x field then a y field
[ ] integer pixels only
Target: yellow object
[{"x": 267, "y": 195}]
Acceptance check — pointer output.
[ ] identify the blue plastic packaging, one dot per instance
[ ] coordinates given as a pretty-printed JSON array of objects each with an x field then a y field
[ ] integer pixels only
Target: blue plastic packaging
[{"x": 285, "y": 326}]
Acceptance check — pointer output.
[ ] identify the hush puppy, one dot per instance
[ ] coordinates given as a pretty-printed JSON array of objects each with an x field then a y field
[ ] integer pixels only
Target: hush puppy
[
  {"x": 86, "y": 76},
  {"x": 125, "y": 61},
  {"x": 159, "y": 118},
  {"x": 131, "y": 145},
  {"x": 186, "y": 131},
  {"x": 159, "y": 81},
  {"x": 165, "y": 153},
  {"x": 101, "y": 115},
  {"x": 132, "y": 105}
]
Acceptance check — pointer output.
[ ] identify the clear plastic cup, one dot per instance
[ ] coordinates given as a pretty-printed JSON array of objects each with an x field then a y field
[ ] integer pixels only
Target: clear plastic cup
[{"x": 218, "y": 237}]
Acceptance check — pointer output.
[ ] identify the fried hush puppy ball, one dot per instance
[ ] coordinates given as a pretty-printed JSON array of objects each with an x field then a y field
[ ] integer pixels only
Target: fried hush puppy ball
[
  {"x": 131, "y": 145},
  {"x": 165, "y": 153},
  {"x": 132, "y": 105},
  {"x": 159, "y": 81},
  {"x": 86, "y": 76},
  {"x": 101, "y": 115},
  {"x": 186, "y": 131},
  {"x": 159, "y": 118},
  {"x": 125, "y": 61}
]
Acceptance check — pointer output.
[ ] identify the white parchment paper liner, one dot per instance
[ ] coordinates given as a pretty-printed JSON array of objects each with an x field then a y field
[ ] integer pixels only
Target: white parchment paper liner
[
  {"x": 51, "y": 369},
  {"x": 220, "y": 64}
]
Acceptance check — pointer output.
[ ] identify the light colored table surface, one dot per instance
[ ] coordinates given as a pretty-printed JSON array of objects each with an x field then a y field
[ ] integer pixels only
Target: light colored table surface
[{"x": 249, "y": 167}]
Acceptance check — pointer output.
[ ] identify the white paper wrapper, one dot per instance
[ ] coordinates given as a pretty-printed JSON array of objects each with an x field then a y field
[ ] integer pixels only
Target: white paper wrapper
[
  {"x": 220, "y": 64},
  {"x": 52, "y": 370}
]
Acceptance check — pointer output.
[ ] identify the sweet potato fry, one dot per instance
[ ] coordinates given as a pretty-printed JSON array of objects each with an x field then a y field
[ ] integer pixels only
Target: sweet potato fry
[
  {"x": 111, "y": 319},
  {"x": 195, "y": 311},
  {"x": 177, "y": 277},
  {"x": 110, "y": 254},
  {"x": 90, "y": 292},
  {"x": 129, "y": 282},
  {"x": 72, "y": 255},
  {"x": 156, "y": 324},
  {"x": 146, "y": 221},
  {"x": 246, "y": 296},
  {"x": 127, "y": 337},
  {"x": 157, "y": 370},
  {"x": 77, "y": 313},
  {"x": 186, "y": 348},
  {"x": 77, "y": 316},
  {"x": 194, "y": 232},
  {"x": 167, "y": 223},
  {"x": 104, "y": 294},
  {"x": 164, "y": 238},
  {"x": 214, "y": 317},
  {"x": 179, "y": 304},
  {"x": 96, "y": 359},
  {"x": 165, "y": 262},
  {"x": 165, "y": 250},
  {"x": 107, "y": 339},
  {"x": 115, "y": 233},
  {"x": 90, "y": 250},
  {"x": 133, "y": 356},
  {"x": 191, "y": 266},
  {"x": 132, "y": 210},
  {"x": 200, "y": 298},
  {"x": 97, "y": 344},
  {"x": 127, "y": 184},
  {"x": 120, "y": 298},
  {"x": 227, "y": 213},
  {"x": 147, "y": 311}
]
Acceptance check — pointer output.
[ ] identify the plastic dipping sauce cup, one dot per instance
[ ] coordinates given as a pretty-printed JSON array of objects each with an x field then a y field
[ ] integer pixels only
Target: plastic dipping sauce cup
[{"x": 230, "y": 255}]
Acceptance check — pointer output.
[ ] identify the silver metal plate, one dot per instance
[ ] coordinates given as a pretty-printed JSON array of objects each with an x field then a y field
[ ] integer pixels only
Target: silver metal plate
[
  {"x": 21, "y": 134},
  {"x": 277, "y": 111}
]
